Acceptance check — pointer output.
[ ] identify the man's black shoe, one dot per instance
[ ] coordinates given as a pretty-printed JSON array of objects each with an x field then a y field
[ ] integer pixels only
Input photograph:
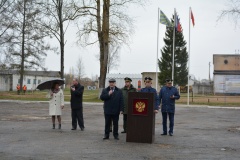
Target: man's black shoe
[
  {"x": 82, "y": 129},
  {"x": 73, "y": 129},
  {"x": 164, "y": 134},
  {"x": 116, "y": 138},
  {"x": 123, "y": 132},
  {"x": 170, "y": 134},
  {"x": 106, "y": 137},
  {"x": 110, "y": 130}
]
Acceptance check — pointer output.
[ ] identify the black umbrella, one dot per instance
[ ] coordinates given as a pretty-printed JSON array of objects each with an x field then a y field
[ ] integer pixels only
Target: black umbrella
[{"x": 48, "y": 84}]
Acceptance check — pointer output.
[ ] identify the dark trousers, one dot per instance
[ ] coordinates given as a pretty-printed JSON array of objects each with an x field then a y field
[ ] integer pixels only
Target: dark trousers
[
  {"x": 164, "y": 122},
  {"x": 114, "y": 118},
  {"x": 77, "y": 116},
  {"x": 125, "y": 122}
]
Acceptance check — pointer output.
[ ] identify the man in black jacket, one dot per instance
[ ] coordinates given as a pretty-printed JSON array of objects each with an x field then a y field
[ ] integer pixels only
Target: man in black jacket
[
  {"x": 76, "y": 104},
  {"x": 113, "y": 105}
]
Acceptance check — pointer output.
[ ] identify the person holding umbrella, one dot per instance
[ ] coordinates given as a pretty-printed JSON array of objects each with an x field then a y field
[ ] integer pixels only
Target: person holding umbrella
[{"x": 56, "y": 103}]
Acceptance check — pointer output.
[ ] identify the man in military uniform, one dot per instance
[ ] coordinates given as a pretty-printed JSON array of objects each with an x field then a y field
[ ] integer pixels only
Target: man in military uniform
[
  {"x": 167, "y": 95},
  {"x": 127, "y": 88},
  {"x": 148, "y": 88}
]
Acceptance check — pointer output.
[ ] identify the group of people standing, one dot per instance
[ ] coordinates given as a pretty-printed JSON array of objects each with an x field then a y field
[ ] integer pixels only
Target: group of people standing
[
  {"x": 24, "y": 88},
  {"x": 115, "y": 103},
  {"x": 56, "y": 104}
]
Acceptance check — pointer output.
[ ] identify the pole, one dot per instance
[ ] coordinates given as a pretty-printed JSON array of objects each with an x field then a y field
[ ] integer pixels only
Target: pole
[
  {"x": 173, "y": 45},
  {"x": 157, "y": 48},
  {"x": 189, "y": 54},
  {"x": 209, "y": 73}
]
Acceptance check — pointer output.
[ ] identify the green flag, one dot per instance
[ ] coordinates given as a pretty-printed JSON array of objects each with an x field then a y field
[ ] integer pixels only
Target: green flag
[{"x": 164, "y": 20}]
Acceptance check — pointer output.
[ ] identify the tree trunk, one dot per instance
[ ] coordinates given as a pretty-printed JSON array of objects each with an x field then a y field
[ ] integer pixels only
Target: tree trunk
[
  {"x": 103, "y": 41},
  {"x": 60, "y": 4},
  {"x": 23, "y": 42}
]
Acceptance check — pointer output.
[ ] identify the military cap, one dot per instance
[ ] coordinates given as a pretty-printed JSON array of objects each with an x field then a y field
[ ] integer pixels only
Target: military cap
[
  {"x": 147, "y": 79},
  {"x": 111, "y": 80},
  {"x": 127, "y": 79},
  {"x": 168, "y": 80}
]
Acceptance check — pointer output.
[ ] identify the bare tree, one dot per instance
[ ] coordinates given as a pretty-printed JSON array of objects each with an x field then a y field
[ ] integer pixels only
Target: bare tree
[
  {"x": 5, "y": 16},
  {"x": 232, "y": 11},
  {"x": 80, "y": 68},
  {"x": 104, "y": 22},
  {"x": 57, "y": 21},
  {"x": 27, "y": 47},
  {"x": 114, "y": 58}
]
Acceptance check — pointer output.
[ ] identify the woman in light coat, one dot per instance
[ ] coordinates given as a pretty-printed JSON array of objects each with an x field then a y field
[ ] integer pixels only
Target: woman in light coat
[{"x": 56, "y": 103}]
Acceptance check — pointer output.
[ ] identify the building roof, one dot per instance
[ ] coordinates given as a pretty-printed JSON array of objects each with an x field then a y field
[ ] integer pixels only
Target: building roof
[
  {"x": 226, "y": 55},
  {"x": 119, "y": 75},
  {"x": 33, "y": 73},
  {"x": 220, "y": 72}
]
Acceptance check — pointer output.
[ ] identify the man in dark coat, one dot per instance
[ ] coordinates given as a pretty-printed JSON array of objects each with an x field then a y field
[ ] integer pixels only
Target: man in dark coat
[
  {"x": 167, "y": 95},
  {"x": 76, "y": 104},
  {"x": 113, "y": 105},
  {"x": 127, "y": 88}
]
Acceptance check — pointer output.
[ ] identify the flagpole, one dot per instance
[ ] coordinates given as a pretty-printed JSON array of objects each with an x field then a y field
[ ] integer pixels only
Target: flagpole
[
  {"x": 173, "y": 45},
  {"x": 189, "y": 53},
  {"x": 157, "y": 48}
]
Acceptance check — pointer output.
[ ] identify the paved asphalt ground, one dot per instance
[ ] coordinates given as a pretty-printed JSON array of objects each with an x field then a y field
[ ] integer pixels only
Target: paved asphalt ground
[{"x": 199, "y": 133}]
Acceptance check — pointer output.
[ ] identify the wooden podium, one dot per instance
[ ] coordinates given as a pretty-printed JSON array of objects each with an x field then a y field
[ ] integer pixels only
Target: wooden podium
[{"x": 141, "y": 117}]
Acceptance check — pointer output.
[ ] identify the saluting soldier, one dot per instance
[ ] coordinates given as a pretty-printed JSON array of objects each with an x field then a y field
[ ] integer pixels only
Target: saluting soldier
[
  {"x": 127, "y": 88},
  {"x": 148, "y": 88}
]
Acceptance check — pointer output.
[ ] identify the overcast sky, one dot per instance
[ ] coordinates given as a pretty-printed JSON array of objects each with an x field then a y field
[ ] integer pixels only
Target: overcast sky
[{"x": 208, "y": 37}]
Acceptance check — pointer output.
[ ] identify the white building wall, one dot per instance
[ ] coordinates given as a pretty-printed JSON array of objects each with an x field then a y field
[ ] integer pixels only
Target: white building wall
[
  {"x": 31, "y": 85},
  {"x": 5, "y": 82}
]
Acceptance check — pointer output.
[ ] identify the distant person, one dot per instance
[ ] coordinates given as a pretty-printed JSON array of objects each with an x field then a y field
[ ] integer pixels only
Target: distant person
[
  {"x": 148, "y": 89},
  {"x": 113, "y": 106},
  {"x": 18, "y": 89},
  {"x": 76, "y": 104},
  {"x": 167, "y": 96},
  {"x": 127, "y": 88},
  {"x": 56, "y": 104},
  {"x": 24, "y": 89}
]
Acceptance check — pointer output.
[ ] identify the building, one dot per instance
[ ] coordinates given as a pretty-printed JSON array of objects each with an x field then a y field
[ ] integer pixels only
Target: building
[
  {"x": 10, "y": 78},
  {"x": 136, "y": 79},
  {"x": 226, "y": 73}
]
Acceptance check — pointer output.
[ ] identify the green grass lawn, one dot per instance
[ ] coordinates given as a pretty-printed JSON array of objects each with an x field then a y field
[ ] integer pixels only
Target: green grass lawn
[
  {"x": 88, "y": 95},
  {"x": 92, "y": 96}
]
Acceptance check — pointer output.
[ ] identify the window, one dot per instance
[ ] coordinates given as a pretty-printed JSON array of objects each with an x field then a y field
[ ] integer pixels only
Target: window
[
  {"x": 18, "y": 80},
  {"x": 34, "y": 81},
  {"x": 39, "y": 81},
  {"x": 28, "y": 81}
]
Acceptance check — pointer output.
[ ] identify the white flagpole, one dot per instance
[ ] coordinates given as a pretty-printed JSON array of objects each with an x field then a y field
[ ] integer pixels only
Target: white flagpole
[
  {"x": 173, "y": 45},
  {"x": 158, "y": 21},
  {"x": 189, "y": 53}
]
